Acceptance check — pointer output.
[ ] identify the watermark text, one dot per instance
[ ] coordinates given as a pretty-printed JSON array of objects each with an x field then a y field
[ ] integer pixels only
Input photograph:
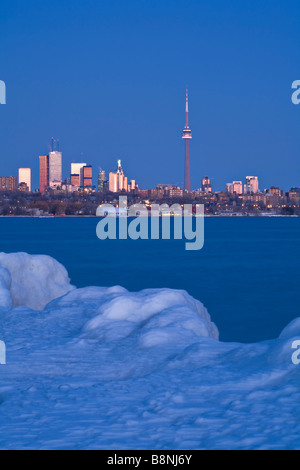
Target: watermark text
[
  {"x": 2, "y": 353},
  {"x": 296, "y": 354},
  {"x": 296, "y": 94},
  {"x": 141, "y": 222},
  {"x": 2, "y": 92}
]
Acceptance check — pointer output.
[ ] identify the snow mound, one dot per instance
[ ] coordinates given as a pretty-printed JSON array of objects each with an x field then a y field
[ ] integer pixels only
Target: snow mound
[
  {"x": 160, "y": 315},
  {"x": 134, "y": 333},
  {"x": 31, "y": 280}
]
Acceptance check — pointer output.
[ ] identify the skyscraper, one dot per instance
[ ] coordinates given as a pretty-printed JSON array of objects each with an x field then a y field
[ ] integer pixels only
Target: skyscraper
[
  {"x": 187, "y": 135},
  {"x": 44, "y": 173},
  {"x": 55, "y": 169},
  {"x": 25, "y": 177},
  {"x": 251, "y": 185},
  {"x": 87, "y": 176},
  {"x": 206, "y": 185},
  {"x": 101, "y": 180},
  {"x": 77, "y": 169},
  {"x": 118, "y": 181},
  {"x": 75, "y": 180},
  {"x": 235, "y": 187}
]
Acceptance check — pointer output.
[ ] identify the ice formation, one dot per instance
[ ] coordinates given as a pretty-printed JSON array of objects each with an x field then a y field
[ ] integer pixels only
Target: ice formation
[
  {"x": 104, "y": 368},
  {"x": 31, "y": 280}
]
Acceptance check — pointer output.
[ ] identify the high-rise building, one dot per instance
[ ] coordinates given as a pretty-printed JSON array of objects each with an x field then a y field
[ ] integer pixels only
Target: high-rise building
[
  {"x": 55, "y": 169},
  {"x": 132, "y": 185},
  {"x": 87, "y": 176},
  {"x": 75, "y": 180},
  {"x": 77, "y": 169},
  {"x": 206, "y": 185},
  {"x": 8, "y": 183},
  {"x": 101, "y": 180},
  {"x": 235, "y": 187},
  {"x": 187, "y": 135},
  {"x": 275, "y": 191},
  {"x": 251, "y": 185},
  {"x": 118, "y": 181},
  {"x": 24, "y": 175},
  {"x": 44, "y": 173}
]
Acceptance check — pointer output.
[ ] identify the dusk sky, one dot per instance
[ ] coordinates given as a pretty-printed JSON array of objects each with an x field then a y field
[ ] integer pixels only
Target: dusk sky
[{"x": 108, "y": 79}]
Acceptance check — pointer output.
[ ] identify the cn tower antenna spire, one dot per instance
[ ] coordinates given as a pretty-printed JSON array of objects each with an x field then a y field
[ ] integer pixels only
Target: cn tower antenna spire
[
  {"x": 187, "y": 134},
  {"x": 186, "y": 108}
]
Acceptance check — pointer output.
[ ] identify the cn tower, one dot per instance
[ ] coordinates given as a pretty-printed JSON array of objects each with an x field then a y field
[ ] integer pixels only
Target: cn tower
[{"x": 187, "y": 134}]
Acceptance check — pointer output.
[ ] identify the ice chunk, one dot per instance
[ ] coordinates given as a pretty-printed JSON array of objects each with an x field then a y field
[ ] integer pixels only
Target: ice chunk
[{"x": 34, "y": 280}]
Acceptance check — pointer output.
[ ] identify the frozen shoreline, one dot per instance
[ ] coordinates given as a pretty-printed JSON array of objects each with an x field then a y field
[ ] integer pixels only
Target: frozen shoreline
[{"x": 107, "y": 368}]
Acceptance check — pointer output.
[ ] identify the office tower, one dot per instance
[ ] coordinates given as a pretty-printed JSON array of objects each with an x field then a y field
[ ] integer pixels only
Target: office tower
[
  {"x": 206, "y": 185},
  {"x": 112, "y": 183},
  {"x": 77, "y": 169},
  {"x": 8, "y": 183},
  {"x": 25, "y": 177},
  {"x": 235, "y": 187},
  {"x": 44, "y": 173},
  {"x": 55, "y": 169},
  {"x": 251, "y": 185},
  {"x": 75, "y": 180},
  {"x": 118, "y": 181},
  {"x": 132, "y": 185},
  {"x": 87, "y": 176},
  {"x": 101, "y": 180},
  {"x": 187, "y": 135}
]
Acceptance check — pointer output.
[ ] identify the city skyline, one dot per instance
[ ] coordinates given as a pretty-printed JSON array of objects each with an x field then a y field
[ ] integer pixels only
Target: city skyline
[
  {"x": 238, "y": 62},
  {"x": 81, "y": 174},
  {"x": 55, "y": 155}
]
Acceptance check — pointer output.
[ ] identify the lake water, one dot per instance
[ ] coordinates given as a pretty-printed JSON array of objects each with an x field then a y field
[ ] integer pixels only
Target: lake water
[{"x": 247, "y": 274}]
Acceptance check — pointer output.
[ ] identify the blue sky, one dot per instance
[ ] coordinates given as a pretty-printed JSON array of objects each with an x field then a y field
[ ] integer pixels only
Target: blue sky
[{"x": 108, "y": 79}]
